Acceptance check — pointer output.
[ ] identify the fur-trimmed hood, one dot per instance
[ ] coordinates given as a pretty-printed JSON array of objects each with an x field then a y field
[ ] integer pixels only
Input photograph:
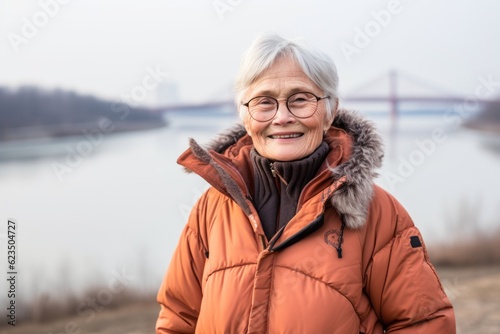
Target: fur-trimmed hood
[{"x": 352, "y": 200}]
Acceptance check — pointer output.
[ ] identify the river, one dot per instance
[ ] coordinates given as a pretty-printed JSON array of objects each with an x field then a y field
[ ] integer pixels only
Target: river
[{"x": 121, "y": 206}]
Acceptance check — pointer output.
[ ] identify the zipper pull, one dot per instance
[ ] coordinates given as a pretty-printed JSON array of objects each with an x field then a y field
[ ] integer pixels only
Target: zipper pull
[{"x": 273, "y": 171}]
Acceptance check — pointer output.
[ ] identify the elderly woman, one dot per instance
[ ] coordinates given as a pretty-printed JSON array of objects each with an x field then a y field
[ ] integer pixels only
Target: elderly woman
[{"x": 294, "y": 236}]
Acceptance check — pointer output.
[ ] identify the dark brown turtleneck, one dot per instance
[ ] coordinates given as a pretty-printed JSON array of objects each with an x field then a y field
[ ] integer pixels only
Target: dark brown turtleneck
[{"x": 278, "y": 185}]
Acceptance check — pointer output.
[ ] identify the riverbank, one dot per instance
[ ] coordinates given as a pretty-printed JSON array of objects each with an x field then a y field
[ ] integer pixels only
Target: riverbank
[
  {"x": 474, "y": 292},
  {"x": 78, "y": 129},
  {"x": 29, "y": 112}
]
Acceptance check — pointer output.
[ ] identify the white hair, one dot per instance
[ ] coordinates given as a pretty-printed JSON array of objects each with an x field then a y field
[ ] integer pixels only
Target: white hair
[{"x": 267, "y": 49}]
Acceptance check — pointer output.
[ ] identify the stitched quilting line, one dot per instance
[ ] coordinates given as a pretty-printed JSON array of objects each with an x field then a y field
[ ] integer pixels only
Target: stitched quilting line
[{"x": 230, "y": 267}]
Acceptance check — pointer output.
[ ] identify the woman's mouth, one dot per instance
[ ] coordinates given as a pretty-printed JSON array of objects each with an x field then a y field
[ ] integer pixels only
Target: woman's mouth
[{"x": 286, "y": 136}]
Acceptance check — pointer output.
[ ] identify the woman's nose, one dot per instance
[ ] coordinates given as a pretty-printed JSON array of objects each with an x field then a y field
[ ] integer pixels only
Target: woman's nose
[{"x": 283, "y": 115}]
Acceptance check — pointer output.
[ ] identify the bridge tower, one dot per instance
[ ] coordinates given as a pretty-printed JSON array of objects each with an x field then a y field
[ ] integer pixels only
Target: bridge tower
[
  {"x": 393, "y": 100},
  {"x": 393, "y": 94}
]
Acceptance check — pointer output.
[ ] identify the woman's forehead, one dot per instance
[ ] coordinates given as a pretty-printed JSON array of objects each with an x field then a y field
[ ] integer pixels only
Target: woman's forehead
[{"x": 283, "y": 77}]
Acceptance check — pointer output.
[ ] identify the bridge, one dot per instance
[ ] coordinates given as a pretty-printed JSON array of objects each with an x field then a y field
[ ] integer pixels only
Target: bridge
[{"x": 391, "y": 84}]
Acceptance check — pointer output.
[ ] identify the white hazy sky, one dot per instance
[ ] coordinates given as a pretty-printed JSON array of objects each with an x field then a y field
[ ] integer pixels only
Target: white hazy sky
[{"x": 104, "y": 47}]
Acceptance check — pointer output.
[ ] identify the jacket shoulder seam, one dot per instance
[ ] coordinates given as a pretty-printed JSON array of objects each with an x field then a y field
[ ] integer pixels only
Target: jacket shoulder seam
[{"x": 391, "y": 240}]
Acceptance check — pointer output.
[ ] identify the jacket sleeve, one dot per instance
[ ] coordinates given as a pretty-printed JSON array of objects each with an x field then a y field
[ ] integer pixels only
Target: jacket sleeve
[
  {"x": 180, "y": 293},
  {"x": 400, "y": 281}
]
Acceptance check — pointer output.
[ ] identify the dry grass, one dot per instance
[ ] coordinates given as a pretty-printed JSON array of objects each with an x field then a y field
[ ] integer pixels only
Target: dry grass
[
  {"x": 474, "y": 240},
  {"x": 477, "y": 250},
  {"x": 136, "y": 318},
  {"x": 472, "y": 247},
  {"x": 473, "y": 290},
  {"x": 46, "y": 308}
]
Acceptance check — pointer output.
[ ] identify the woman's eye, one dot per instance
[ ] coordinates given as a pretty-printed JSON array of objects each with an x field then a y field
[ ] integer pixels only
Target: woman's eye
[
  {"x": 265, "y": 101},
  {"x": 299, "y": 98}
]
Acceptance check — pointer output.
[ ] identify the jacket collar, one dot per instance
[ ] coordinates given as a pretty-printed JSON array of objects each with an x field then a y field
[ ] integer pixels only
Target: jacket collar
[{"x": 351, "y": 200}]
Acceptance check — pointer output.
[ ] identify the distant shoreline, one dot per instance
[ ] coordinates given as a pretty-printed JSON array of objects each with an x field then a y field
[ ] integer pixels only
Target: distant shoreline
[
  {"x": 490, "y": 128},
  {"x": 79, "y": 129},
  {"x": 30, "y": 113}
]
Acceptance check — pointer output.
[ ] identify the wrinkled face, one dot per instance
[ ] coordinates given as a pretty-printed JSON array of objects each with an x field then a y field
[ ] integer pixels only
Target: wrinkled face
[{"x": 285, "y": 137}]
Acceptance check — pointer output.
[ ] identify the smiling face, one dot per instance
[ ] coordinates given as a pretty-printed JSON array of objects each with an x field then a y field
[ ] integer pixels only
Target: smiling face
[{"x": 285, "y": 137}]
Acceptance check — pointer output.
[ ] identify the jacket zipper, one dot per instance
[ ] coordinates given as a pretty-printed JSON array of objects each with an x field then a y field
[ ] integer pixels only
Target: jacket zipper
[
  {"x": 263, "y": 241},
  {"x": 275, "y": 173}
]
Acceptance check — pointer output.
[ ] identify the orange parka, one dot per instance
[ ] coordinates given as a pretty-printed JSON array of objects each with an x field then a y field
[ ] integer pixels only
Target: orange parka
[{"x": 350, "y": 261}]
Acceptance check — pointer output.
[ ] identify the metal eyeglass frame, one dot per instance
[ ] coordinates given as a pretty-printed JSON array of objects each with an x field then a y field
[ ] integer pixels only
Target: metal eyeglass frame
[{"x": 286, "y": 103}]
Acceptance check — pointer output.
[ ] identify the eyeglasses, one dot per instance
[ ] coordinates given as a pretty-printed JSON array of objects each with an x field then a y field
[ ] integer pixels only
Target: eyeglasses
[{"x": 300, "y": 105}]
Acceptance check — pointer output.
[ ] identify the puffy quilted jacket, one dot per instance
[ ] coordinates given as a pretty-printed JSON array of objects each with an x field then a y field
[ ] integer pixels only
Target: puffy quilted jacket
[{"x": 350, "y": 261}]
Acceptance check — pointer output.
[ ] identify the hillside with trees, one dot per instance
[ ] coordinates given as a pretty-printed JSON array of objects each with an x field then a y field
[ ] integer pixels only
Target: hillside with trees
[{"x": 30, "y": 112}]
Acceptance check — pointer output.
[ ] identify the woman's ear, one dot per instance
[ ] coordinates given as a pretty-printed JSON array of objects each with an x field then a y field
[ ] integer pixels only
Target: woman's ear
[{"x": 332, "y": 115}]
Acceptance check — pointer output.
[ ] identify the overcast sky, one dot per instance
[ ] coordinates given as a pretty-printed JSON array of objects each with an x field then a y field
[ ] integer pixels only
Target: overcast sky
[{"x": 106, "y": 47}]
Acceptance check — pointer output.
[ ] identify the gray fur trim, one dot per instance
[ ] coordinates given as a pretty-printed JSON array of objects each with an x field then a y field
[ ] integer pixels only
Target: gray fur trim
[
  {"x": 199, "y": 152},
  {"x": 227, "y": 138},
  {"x": 232, "y": 188},
  {"x": 352, "y": 200}
]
